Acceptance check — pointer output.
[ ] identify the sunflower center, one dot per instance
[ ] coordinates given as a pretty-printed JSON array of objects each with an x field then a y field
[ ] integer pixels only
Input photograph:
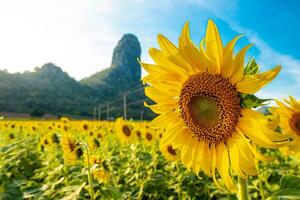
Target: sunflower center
[
  {"x": 204, "y": 110},
  {"x": 138, "y": 134},
  {"x": 149, "y": 136},
  {"x": 126, "y": 130},
  {"x": 210, "y": 107},
  {"x": 295, "y": 123},
  {"x": 171, "y": 150}
]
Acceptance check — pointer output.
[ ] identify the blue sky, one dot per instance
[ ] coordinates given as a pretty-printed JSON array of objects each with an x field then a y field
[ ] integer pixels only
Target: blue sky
[{"x": 79, "y": 35}]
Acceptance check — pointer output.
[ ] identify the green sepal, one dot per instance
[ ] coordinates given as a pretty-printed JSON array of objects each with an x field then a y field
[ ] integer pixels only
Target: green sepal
[
  {"x": 252, "y": 67},
  {"x": 252, "y": 101}
]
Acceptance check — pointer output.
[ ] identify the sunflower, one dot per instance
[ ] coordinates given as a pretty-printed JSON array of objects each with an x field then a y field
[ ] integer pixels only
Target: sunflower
[
  {"x": 169, "y": 152},
  {"x": 71, "y": 149},
  {"x": 289, "y": 115},
  {"x": 85, "y": 126},
  {"x": 124, "y": 131},
  {"x": 101, "y": 175},
  {"x": 198, "y": 95}
]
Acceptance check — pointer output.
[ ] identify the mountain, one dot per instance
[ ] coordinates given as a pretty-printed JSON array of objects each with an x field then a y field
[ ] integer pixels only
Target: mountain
[
  {"x": 124, "y": 72},
  {"x": 47, "y": 89},
  {"x": 50, "y": 90}
]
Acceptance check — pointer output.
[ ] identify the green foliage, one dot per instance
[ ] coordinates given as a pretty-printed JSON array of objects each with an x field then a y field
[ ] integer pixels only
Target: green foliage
[
  {"x": 251, "y": 101},
  {"x": 37, "y": 113},
  {"x": 252, "y": 67},
  {"x": 289, "y": 188},
  {"x": 137, "y": 171}
]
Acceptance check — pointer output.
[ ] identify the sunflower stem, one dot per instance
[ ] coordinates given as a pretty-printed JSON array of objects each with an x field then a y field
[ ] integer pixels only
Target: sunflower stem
[
  {"x": 90, "y": 176},
  {"x": 243, "y": 190},
  {"x": 179, "y": 180}
]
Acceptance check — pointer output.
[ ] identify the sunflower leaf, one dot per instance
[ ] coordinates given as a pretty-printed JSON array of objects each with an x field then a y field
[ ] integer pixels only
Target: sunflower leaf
[
  {"x": 251, "y": 68},
  {"x": 289, "y": 188},
  {"x": 251, "y": 101}
]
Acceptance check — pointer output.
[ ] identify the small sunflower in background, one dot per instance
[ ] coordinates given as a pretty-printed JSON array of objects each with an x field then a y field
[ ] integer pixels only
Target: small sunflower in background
[
  {"x": 202, "y": 96},
  {"x": 124, "y": 131},
  {"x": 149, "y": 136},
  {"x": 101, "y": 175},
  {"x": 169, "y": 152},
  {"x": 289, "y": 114},
  {"x": 72, "y": 151},
  {"x": 46, "y": 141},
  {"x": 64, "y": 120},
  {"x": 85, "y": 127},
  {"x": 93, "y": 143}
]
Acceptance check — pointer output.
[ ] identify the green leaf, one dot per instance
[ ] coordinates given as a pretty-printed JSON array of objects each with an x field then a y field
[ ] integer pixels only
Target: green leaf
[
  {"x": 289, "y": 188},
  {"x": 251, "y": 67},
  {"x": 251, "y": 101}
]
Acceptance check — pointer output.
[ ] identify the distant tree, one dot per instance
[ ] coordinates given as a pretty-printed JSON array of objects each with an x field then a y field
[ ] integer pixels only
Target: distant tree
[{"x": 37, "y": 113}]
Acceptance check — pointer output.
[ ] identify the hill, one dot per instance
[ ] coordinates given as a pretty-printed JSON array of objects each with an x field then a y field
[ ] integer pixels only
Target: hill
[{"x": 50, "y": 90}]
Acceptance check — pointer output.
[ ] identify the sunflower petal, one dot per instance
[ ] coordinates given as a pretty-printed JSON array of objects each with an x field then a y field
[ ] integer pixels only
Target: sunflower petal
[
  {"x": 214, "y": 47},
  {"x": 189, "y": 51},
  {"x": 161, "y": 108},
  {"x": 227, "y": 65},
  {"x": 172, "y": 131},
  {"x": 164, "y": 119},
  {"x": 159, "y": 96},
  {"x": 235, "y": 159},
  {"x": 161, "y": 59},
  {"x": 238, "y": 63},
  {"x": 252, "y": 83},
  {"x": 223, "y": 167}
]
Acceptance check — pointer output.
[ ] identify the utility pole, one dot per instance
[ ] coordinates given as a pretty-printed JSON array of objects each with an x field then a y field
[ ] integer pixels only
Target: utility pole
[
  {"x": 99, "y": 112},
  {"x": 142, "y": 113},
  {"x": 107, "y": 112},
  {"x": 95, "y": 113},
  {"x": 124, "y": 107}
]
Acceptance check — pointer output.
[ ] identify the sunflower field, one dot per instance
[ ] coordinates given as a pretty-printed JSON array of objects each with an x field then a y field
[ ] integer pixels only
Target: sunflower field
[{"x": 114, "y": 160}]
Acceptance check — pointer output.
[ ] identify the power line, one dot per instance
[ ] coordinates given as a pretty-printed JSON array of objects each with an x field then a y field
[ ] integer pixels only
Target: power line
[{"x": 122, "y": 97}]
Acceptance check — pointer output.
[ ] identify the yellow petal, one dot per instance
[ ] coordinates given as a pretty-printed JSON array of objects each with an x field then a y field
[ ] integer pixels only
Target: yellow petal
[
  {"x": 294, "y": 103},
  {"x": 197, "y": 163},
  {"x": 257, "y": 131},
  {"x": 164, "y": 119},
  {"x": 161, "y": 59},
  {"x": 238, "y": 65},
  {"x": 210, "y": 66},
  {"x": 223, "y": 167},
  {"x": 252, "y": 83},
  {"x": 257, "y": 154},
  {"x": 166, "y": 45},
  {"x": 214, "y": 47},
  {"x": 247, "y": 162},
  {"x": 261, "y": 121},
  {"x": 159, "y": 96},
  {"x": 188, "y": 152},
  {"x": 206, "y": 164},
  {"x": 227, "y": 65},
  {"x": 172, "y": 53},
  {"x": 189, "y": 51},
  {"x": 181, "y": 136},
  {"x": 161, "y": 108},
  {"x": 234, "y": 158},
  {"x": 172, "y": 132},
  {"x": 213, "y": 157}
]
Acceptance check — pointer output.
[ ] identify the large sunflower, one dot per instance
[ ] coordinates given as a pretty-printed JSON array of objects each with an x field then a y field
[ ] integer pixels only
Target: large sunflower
[
  {"x": 289, "y": 114},
  {"x": 198, "y": 97}
]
